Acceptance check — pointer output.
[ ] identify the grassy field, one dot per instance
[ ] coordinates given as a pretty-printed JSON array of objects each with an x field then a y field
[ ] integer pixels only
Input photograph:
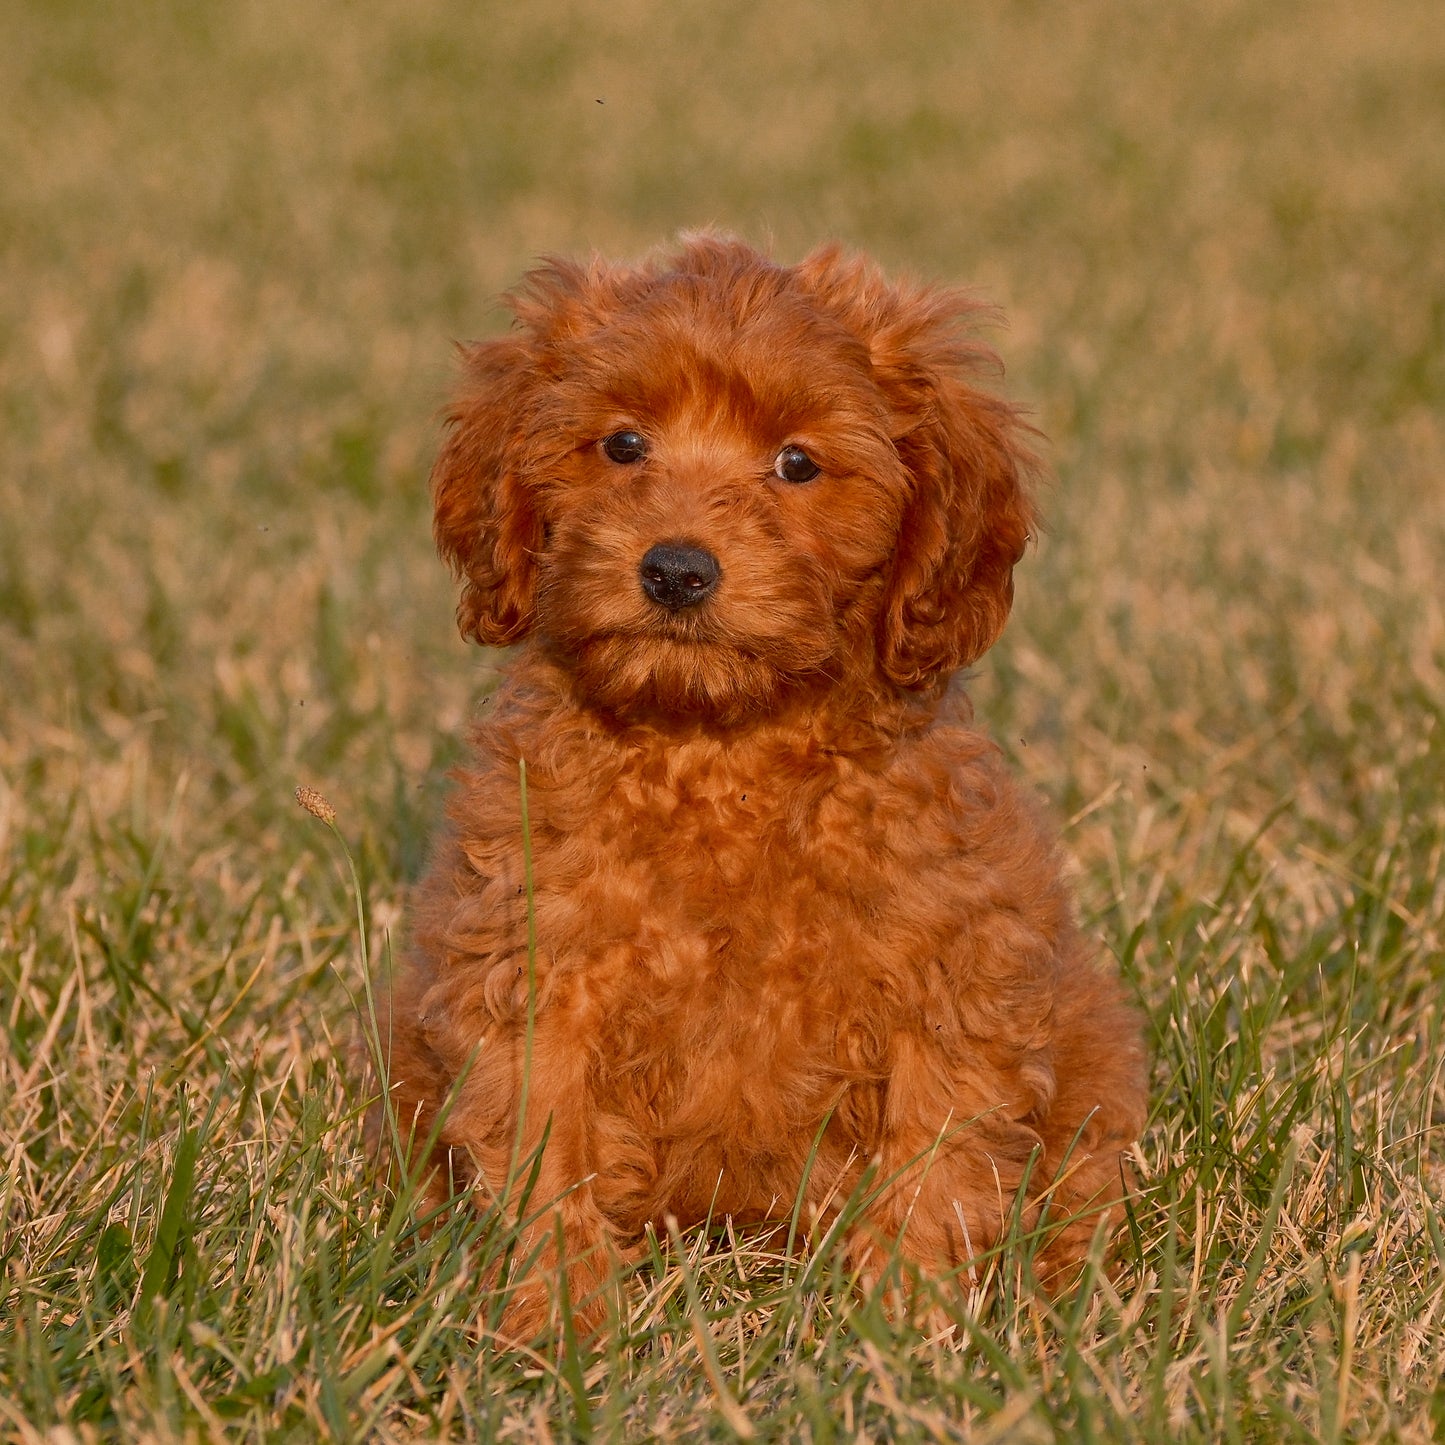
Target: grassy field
[{"x": 236, "y": 244}]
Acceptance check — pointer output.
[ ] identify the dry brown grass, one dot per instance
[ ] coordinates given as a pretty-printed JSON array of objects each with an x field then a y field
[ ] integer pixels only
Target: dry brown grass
[{"x": 235, "y": 244}]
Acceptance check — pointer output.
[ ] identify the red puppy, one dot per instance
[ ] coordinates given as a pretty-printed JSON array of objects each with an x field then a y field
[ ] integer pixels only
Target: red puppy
[{"x": 745, "y": 521}]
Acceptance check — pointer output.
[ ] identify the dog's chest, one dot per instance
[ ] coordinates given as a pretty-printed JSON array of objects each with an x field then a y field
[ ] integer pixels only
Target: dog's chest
[
  {"x": 750, "y": 908},
  {"x": 741, "y": 951},
  {"x": 730, "y": 947}
]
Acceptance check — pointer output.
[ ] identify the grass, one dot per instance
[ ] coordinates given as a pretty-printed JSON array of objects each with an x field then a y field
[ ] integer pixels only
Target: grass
[{"x": 236, "y": 242}]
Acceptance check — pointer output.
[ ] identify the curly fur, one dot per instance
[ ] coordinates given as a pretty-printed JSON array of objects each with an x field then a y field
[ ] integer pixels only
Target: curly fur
[{"x": 779, "y": 877}]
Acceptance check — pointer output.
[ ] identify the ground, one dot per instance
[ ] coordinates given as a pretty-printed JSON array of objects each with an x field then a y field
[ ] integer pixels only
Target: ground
[{"x": 237, "y": 243}]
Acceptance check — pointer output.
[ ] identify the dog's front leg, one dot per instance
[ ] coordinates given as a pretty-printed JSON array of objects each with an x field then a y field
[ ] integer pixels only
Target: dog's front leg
[
  {"x": 525, "y": 1115},
  {"x": 951, "y": 1170}
]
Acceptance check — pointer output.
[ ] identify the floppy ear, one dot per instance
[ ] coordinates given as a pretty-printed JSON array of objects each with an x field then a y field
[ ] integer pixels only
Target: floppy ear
[
  {"x": 966, "y": 524},
  {"x": 968, "y": 514},
  {"x": 485, "y": 521}
]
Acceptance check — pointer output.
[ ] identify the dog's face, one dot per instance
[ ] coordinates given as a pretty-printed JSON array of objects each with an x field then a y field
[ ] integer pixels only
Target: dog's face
[{"x": 710, "y": 480}]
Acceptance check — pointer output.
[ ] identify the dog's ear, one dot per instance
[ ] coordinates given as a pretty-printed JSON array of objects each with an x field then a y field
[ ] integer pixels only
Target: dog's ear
[
  {"x": 966, "y": 524},
  {"x": 969, "y": 512},
  {"x": 484, "y": 519}
]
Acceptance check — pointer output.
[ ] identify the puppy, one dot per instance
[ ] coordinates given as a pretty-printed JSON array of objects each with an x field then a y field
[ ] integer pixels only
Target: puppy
[{"x": 767, "y": 915}]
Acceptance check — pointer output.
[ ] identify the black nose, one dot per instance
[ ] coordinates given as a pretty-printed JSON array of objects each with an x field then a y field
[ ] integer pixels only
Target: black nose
[{"x": 677, "y": 576}]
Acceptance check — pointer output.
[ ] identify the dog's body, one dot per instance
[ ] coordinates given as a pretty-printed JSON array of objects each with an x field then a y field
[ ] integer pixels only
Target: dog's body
[{"x": 793, "y": 921}]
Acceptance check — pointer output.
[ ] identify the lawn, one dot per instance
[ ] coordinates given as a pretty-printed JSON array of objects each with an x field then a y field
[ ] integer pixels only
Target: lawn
[{"x": 237, "y": 243}]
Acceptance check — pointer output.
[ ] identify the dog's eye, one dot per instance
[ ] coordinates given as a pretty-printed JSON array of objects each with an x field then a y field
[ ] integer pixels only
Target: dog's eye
[
  {"x": 625, "y": 446},
  {"x": 795, "y": 465}
]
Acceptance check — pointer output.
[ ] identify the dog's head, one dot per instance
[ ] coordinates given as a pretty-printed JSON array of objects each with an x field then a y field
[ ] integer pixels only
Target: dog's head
[{"x": 709, "y": 479}]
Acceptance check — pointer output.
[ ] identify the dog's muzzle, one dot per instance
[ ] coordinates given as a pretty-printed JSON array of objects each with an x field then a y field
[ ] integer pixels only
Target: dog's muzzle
[{"x": 676, "y": 576}]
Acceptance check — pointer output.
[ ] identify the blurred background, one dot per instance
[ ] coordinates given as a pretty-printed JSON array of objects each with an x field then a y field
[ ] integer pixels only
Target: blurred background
[{"x": 238, "y": 242}]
